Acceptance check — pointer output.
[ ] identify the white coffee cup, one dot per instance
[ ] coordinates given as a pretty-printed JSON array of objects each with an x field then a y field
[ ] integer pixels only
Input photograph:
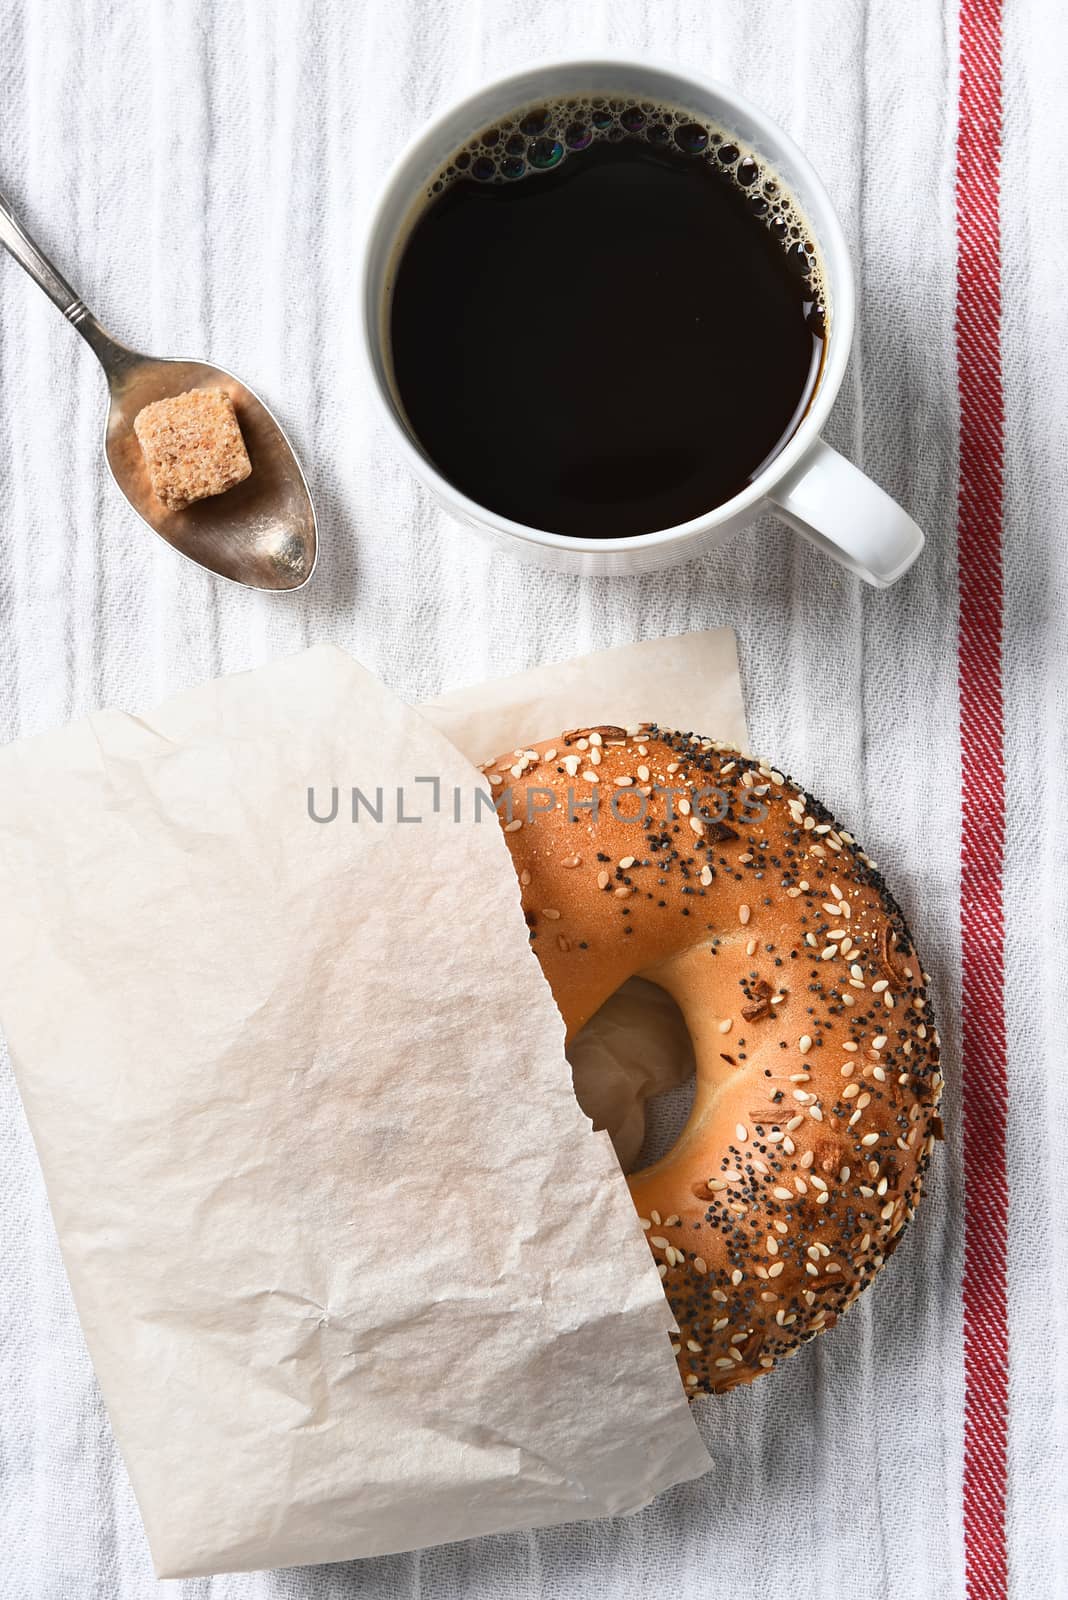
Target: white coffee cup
[{"x": 813, "y": 488}]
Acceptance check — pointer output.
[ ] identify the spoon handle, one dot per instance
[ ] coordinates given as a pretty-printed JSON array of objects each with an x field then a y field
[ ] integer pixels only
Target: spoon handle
[{"x": 28, "y": 254}]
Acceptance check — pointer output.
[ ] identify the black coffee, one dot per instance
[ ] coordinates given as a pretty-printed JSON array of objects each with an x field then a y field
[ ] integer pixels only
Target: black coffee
[{"x": 606, "y": 318}]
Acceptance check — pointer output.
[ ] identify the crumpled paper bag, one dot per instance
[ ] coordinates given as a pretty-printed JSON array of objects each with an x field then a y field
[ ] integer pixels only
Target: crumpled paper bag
[{"x": 355, "y": 1274}]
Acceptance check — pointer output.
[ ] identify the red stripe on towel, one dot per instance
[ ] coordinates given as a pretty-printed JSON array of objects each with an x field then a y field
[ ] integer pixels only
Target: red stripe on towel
[{"x": 979, "y": 534}]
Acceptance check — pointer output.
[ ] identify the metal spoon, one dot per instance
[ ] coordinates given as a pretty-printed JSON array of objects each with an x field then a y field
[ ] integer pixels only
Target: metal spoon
[{"x": 262, "y": 533}]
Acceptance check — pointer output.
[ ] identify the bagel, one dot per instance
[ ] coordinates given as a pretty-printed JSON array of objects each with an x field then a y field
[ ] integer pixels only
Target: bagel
[{"x": 644, "y": 852}]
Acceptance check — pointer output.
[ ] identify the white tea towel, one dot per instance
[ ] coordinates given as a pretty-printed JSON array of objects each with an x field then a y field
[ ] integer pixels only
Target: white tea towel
[{"x": 199, "y": 168}]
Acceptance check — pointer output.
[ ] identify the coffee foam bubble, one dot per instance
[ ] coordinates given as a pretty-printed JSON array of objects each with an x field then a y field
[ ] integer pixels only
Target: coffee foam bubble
[{"x": 539, "y": 138}]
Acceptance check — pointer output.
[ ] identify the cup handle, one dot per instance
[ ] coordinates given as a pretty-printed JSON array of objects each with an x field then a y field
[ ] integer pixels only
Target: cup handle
[{"x": 833, "y": 505}]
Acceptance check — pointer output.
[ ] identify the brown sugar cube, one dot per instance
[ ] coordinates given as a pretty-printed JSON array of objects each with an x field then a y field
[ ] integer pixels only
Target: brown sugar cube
[{"x": 192, "y": 445}]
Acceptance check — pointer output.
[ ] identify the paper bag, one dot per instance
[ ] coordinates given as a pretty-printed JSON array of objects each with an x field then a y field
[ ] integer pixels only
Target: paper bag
[{"x": 355, "y": 1274}]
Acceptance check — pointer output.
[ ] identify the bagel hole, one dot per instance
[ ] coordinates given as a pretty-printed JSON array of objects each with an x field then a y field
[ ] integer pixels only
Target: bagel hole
[{"x": 633, "y": 1072}]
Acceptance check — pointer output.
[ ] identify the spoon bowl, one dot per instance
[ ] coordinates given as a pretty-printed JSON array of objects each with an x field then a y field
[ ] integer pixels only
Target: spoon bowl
[{"x": 263, "y": 533}]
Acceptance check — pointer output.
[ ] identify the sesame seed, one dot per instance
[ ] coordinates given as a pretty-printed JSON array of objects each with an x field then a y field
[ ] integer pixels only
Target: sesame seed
[
  {"x": 553, "y": 916},
  {"x": 804, "y": 1044},
  {"x": 656, "y": 1217},
  {"x": 870, "y": 1139},
  {"x": 736, "y": 1277},
  {"x": 658, "y": 1241},
  {"x": 697, "y": 825},
  {"x": 513, "y": 826},
  {"x": 700, "y": 1265},
  {"x": 603, "y": 880},
  {"x": 626, "y": 861},
  {"x": 725, "y": 1025},
  {"x": 623, "y": 892},
  {"x": 774, "y": 1271},
  {"x": 741, "y": 1131},
  {"x": 773, "y": 1246},
  {"x": 743, "y": 914}
]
